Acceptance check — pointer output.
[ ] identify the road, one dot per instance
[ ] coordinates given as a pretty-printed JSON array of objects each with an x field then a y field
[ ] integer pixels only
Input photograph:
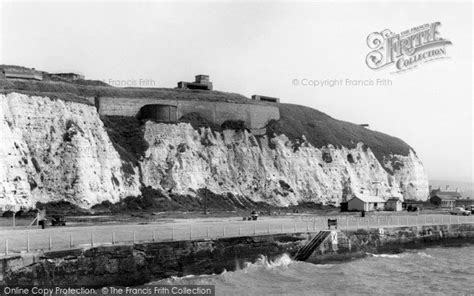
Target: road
[{"x": 21, "y": 239}]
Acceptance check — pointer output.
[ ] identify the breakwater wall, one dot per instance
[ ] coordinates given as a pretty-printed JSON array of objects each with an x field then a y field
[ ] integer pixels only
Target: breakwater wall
[{"x": 140, "y": 263}]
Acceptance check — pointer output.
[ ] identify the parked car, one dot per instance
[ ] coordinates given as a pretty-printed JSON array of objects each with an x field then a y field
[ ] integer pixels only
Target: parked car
[
  {"x": 471, "y": 208},
  {"x": 58, "y": 220},
  {"x": 460, "y": 211}
]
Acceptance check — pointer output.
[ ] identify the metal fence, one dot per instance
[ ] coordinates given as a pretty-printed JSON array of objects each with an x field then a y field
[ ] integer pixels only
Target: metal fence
[{"x": 16, "y": 241}]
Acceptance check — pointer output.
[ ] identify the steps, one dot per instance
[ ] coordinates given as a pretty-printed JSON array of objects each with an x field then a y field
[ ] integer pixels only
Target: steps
[{"x": 308, "y": 249}]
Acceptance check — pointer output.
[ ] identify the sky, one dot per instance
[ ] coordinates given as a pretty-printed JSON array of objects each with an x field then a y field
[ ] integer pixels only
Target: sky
[{"x": 263, "y": 48}]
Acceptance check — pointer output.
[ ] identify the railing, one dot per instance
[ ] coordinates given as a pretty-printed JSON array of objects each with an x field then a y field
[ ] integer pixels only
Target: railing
[{"x": 14, "y": 241}]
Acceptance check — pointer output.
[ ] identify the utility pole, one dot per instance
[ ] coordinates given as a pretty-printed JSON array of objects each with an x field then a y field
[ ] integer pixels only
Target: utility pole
[{"x": 205, "y": 200}]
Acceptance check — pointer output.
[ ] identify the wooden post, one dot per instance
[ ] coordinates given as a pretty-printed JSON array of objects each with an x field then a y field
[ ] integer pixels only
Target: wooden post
[
  {"x": 92, "y": 239},
  {"x": 70, "y": 241},
  {"x": 50, "y": 243}
]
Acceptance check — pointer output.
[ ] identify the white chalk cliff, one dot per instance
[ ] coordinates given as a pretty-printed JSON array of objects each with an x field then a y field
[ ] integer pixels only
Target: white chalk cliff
[{"x": 56, "y": 150}]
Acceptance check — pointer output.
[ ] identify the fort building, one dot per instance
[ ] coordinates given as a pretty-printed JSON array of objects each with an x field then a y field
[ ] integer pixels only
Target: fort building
[
  {"x": 200, "y": 82},
  {"x": 69, "y": 76},
  {"x": 255, "y": 116},
  {"x": 265, "y": 99},
  {"x": 21, "y": 73}
]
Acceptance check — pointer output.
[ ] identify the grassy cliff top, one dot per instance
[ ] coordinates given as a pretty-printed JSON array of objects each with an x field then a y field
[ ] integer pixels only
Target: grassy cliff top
[
  {"x": 320, "y": 130},
  {"x": 78, "y": 90}
]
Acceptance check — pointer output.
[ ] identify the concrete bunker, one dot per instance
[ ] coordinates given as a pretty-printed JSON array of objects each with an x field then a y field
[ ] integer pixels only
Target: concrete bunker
[
  {"x": 265, "y": 99},
  {"x": 201, "y": 82},
  {"x": 159, "y": 112}
]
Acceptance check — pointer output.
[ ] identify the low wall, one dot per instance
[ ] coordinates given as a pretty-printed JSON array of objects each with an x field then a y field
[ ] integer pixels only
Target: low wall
[
  {"x": 255, "y": 116},
  {"x": 137, "y": 264},
  {"x": 141, "y": 263},
  {"x": 357, "y": 243}
]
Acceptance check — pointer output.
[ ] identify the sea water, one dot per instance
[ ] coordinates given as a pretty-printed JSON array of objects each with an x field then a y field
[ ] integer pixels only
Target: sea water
[{"x": 441, "y": 271}]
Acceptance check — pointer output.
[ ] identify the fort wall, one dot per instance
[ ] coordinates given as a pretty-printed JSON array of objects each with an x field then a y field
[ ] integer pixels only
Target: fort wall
[{"x": 254, "y": 116}]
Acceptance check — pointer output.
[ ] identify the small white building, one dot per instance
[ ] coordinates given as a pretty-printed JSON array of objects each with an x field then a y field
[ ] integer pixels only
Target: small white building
[
  {"x": 366, "y": 203},
  {"x": 393, "y": 204}
]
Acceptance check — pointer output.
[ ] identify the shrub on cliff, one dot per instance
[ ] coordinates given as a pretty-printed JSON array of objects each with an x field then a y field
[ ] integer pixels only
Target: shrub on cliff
[
  {"x": 126, "y": 134},
  {"x": 238, "y": 125}
]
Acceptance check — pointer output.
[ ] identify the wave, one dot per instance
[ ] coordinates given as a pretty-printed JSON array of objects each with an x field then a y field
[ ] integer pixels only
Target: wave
[
  {"x": 263, "y": 261},
  {"x": 384, "y": 255},
  {"x": 423, "y": 254}
]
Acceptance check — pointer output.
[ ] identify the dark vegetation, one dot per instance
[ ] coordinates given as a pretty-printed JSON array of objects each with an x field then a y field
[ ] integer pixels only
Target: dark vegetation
[
  {"x": 126, "y": 134},
  {"x": 152, "y": 200},
  {"x": 61, "y": 208},
  {"x": 321, "y": 130},
  {"x": 238, "y": 125}
]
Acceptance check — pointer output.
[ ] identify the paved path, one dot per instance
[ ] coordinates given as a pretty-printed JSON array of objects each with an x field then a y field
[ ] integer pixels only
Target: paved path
[{"x": 20, "y": 239}]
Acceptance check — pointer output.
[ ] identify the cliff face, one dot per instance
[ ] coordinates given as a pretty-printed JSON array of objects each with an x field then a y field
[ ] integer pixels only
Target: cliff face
[
  {"x": 181, "y": 159},
  {"x": 54, "y": 150}
]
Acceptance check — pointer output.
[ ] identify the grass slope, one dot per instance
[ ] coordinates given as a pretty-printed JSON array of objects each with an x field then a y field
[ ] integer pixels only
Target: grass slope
[{"x": 320, "y": 130}]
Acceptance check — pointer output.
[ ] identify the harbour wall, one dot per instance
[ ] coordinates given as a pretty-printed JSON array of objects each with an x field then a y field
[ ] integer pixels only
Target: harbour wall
[{"x": 140, "y": 263}]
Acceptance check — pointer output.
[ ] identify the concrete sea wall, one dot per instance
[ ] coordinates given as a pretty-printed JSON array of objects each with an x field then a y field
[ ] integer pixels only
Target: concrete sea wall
[
  {"x": 255, "y": 116},
  {"x": 141, "y": 263}
]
